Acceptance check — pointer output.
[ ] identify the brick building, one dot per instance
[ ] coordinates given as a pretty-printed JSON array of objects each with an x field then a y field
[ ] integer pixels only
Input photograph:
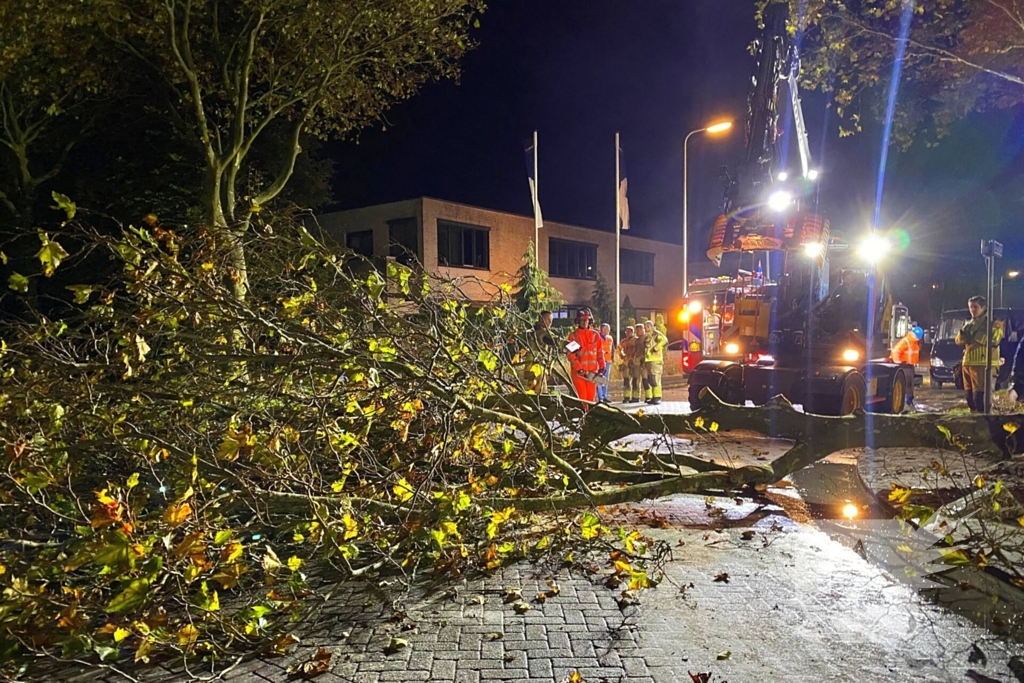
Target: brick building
[{"x": 486, "y": 247}]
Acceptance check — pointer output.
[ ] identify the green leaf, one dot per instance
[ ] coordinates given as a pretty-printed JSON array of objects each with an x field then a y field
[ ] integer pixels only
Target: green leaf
[
  {"x": 50, "y": 255},
  {"x": 64, "y": 204},
  {"x": 946, "y": 433},
  {"x": 18, "y": 282},
  {"x": 130, "y": 598},
  {"x": 106, "y": 652},
  {"x": 222, "y": 536},
  {"x": 590, "y": 526},
  {"x": 82, "y": 292},
  {"x": 488, "y": 359}
]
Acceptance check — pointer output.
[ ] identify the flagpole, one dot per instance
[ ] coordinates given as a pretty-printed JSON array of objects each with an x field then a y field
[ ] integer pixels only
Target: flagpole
[
  {"x": 536, "y": 203},
  {"x": 618, "y": 237}
]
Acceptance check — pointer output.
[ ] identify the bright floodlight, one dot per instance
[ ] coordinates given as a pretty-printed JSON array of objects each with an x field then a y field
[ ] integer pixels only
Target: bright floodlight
[
  {"x": 1012, "y": 274},
  {"x": 695, "y": 307},
  {"x": 783, "y": 176},
  {"x": 780, "y": 200},
  {"x": 813, "y": 249},
  {"x": 812, "y": 174},
  {"x": 732, "y": 348},
  {"x": 851, "y": 355},
  {"x": 850, "y": 511},
  {"x": 720, "y": 127},
  {"x": 873, "y": 248}
]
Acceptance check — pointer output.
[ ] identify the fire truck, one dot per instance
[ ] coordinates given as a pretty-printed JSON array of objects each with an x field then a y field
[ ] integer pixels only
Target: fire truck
[{"x": 818, "y": 337}]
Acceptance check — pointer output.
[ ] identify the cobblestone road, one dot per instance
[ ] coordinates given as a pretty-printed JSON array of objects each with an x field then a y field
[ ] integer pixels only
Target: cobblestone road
[{"x": 799, "y": 606}]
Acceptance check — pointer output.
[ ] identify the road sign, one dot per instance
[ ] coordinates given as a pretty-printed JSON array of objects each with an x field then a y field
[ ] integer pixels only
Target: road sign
[{"x": 991, "y": 249}]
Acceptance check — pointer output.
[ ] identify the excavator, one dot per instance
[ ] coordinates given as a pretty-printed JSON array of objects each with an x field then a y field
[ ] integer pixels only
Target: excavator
[{"x": 818, "y": 335}]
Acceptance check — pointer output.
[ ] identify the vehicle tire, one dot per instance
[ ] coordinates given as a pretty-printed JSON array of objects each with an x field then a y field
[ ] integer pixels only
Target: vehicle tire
[
  {"x": 896, "y": 401},
  {"x": 852, "y": 397},
  {"x": 694, "y": 396},
  {"x": 937, "y": 385}
]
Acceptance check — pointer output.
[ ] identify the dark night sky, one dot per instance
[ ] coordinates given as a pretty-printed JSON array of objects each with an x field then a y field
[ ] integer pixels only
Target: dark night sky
[{"x": 654, "y": 70}]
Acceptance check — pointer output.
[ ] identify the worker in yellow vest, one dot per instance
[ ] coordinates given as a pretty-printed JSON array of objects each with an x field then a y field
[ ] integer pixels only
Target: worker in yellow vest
[{"x": 654, "y": 362}]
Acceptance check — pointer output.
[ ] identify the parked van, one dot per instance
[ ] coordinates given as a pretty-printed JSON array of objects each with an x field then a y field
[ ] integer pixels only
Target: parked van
[{"x": 946, "y": 355}]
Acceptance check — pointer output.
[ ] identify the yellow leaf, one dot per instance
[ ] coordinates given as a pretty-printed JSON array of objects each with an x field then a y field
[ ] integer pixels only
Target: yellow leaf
[
  {"x": 175, "y": 515},
  {"x": 899, "y": 494},
  {"x": 142, "y": 652},
  {"x": 713, "y": 427},
  {"x": 351, "y": 527},
  {"x": 979, "y": 481},
  {"x": 188, "y": 635},
  {"x": 698, "y": 423},
  {"x": 231, "y": 552},
  {"x": 1011, "y": 427},
  {"x": 185, "y": 496},
  {"x": 120, "y": 634},
  {"x": 623, "y": 567},
  {"x": 1020, "y": 520},
  {"x": 403, "y": 489},
  {"x": 294, "y": 563}
]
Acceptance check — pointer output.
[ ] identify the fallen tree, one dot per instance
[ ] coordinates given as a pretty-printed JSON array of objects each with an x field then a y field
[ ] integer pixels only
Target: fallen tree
[{"x": 176, "y": 458}]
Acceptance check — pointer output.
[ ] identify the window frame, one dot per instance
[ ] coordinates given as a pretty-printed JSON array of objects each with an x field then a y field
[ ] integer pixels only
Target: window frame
[
  {"x": 641, "y": 256},
  {"x": 477, "y": 232},
  {"x": 361, "y": 235},
  {"x": 567, "y": 258}
]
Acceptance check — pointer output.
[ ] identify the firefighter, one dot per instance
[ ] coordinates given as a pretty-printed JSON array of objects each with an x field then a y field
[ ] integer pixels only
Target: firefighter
[
  {"x": 540, "y": 353},
  {"x": 608, "y": 346},
  {"x": 1017, "y": 373},
  {"x": 636, "y": 364},
  {"x": 908, "y": 350},
  {"x": 654, "y": 362},
  {"x": 622, "y": 354},
  {"x": 972, "y": 338},
  {"x": 588, "y": 358}
]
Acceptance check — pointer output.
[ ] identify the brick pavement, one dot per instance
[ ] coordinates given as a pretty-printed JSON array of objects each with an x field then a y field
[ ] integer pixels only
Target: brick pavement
[{"x": 798, "y": 607}]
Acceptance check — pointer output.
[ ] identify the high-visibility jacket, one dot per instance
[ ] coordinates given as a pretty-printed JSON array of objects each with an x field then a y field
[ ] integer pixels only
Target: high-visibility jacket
[
  {"x": 590, "y": 356},
  {"x": 906, "y": 350},
  {"x": 638, "y": 353},
  {"x": 656, "y": 342},
  {"x": 607, "y": 345},
  {"x": 972, "y": 338}
]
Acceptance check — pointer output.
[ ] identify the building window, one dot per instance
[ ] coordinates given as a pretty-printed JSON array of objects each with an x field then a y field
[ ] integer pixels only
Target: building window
[
  {"x": 637, "y": 267},
  {"x": 403, "y": 240},
  {"x": 463, "y": 246},
  {"x": 574, "y": 260},
  {"x": 361, "y": 242}
]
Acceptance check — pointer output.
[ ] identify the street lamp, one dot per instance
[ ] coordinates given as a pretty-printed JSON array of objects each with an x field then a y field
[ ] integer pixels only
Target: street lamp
[
  {"x": 714, "y": 128},
  {"x": 1010, "y": 275}
]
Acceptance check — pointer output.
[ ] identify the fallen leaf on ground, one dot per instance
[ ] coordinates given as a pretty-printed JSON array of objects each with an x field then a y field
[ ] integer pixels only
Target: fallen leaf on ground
[
  {"x": 318, "y": 664},
  {"x": 574, "y": 677},
  {"x": 281, "y": 645},
  {"x": 700, "y": 677},
  {"x": 513, "y": 594},
  {"x": 724, "y": 655},
  {"x": 723, "y": 577},
  {"x": 396, "y": 644},
  {"x": 495, "y": 636},
  {"x": 747, "y": 535},
  {"x": 477, "y": 600},
  {"x": 521, "y": 607}
]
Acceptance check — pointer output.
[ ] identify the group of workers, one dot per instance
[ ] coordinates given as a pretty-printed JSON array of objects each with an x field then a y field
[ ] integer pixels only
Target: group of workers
[{"x": 591, "y": 354}]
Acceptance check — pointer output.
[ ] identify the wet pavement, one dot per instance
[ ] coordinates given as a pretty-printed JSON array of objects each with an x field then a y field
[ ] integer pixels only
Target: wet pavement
[{"x": 778, "y": 589}]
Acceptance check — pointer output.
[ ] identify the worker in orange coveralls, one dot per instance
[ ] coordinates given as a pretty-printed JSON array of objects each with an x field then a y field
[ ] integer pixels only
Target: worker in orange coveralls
[
  {"x": 908, "y": 350},
  {"x": 588, "y": 358}
]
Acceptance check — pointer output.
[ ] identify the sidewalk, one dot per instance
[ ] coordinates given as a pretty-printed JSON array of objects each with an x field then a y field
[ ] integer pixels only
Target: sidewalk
[{"x": 797, "y": 607}]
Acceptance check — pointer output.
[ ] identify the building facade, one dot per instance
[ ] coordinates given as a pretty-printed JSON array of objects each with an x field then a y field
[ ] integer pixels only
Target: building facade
[{"x": 483, "y": 249}]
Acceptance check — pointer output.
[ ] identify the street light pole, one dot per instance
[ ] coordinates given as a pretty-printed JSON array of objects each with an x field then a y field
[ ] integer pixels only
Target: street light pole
[
  {"x": 1011, "y": 275},
  {"x": 713, "y": 128}
]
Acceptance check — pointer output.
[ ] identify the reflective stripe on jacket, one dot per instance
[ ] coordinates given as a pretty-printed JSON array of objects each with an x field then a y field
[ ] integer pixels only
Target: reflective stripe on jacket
[
  {"x": 972, "y": 338},
  {"x": 656, "y": 341},
  {"x": 590, "y": 356},
  {"x": 906, "y": 350}
]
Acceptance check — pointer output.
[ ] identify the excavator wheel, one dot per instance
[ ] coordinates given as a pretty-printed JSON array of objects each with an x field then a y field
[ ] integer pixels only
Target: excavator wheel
[
  {"x": 852, "y": 395},
  {"x": 896, "y": 401}
]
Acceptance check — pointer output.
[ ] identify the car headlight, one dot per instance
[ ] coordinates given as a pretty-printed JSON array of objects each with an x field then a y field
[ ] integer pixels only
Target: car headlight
[
  {"x": 851, "y": 355},
  {"x": 732, "y": 348},
  {"x": 937, "y": 362}
]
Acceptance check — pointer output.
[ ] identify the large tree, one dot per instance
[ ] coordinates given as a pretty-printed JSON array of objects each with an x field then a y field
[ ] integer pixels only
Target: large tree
[
  {"x": 238, "y": 68},
  {"x": 959, "y": 56}
]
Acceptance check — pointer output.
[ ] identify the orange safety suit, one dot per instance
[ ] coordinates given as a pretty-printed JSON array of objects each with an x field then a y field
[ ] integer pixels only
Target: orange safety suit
[
  {"x": 906, "y": 350},
  {"x": 588, "y": 358}
]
